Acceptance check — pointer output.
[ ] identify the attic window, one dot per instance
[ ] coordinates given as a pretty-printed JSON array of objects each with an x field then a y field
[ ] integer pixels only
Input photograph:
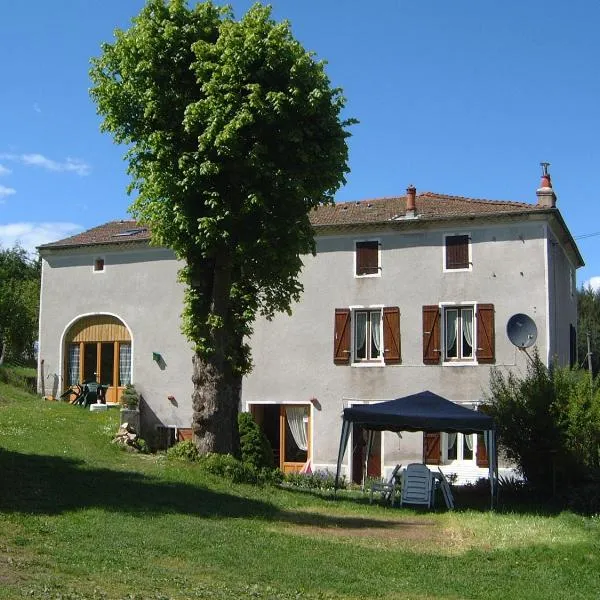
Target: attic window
[
  {"x": 129, "y": 232},
  {"x": 99, "y": 265}
]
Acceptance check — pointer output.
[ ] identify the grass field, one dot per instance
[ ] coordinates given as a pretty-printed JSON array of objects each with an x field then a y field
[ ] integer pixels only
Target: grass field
[{"x": 80, "y": 518}]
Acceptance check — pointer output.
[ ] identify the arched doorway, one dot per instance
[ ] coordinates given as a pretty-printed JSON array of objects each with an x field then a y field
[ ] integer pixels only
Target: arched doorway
[{"x": 98, "y": 348}]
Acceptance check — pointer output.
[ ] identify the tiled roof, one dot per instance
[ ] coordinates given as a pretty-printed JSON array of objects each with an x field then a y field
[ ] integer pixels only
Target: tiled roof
[
  {"x": 429, "y": 206},
  {"x": 115, "y": 232}
]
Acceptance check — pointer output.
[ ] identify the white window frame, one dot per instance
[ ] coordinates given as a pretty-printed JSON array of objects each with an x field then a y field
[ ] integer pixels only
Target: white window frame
[
  {"x": 367, "y": 275},
  {"x": 377, "y": 362},
  {"x": 459, "y": 362},
  {"x": 470, "y": 247},
  {"x": 103, "y": 269},
  {"x": 459, "y": 449}
]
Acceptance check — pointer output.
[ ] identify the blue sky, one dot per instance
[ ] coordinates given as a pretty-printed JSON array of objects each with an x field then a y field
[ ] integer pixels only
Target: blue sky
[{"x": 462, "y": 97}]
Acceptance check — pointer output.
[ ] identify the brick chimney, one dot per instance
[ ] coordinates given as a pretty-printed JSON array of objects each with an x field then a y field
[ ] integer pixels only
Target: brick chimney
[
  {"x": 545, "y": 194},
  {"x": 411, "y": 209}
]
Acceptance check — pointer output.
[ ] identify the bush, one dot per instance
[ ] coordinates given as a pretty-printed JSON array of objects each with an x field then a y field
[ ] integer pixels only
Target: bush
[
  {"x": 585, "y": 498},
  {"x": 229, "y": 467},
  {"x": 548, "y": 423},
  {"x": 255, "y": 447},
  {"x": 130, "y": 398},
  {"x": 185, "y": 450},
  {"x": 319, "y": 480},
  {"x": 18, "y": 377}
]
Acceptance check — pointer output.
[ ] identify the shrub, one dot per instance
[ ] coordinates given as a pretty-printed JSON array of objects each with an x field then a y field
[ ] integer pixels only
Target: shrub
[
  {"x": 255, "y": 447},
  {"x": 229, "y": 467},
  {"x": 548, "y": 423},
  {"x": 130, "y": 398},
  {"x": 319, "y": 480},
  {"x": 185, "y": 450}
]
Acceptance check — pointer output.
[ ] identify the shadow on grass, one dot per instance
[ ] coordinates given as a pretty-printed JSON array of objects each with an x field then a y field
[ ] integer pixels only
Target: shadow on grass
[{"x": 50, "y": 485}]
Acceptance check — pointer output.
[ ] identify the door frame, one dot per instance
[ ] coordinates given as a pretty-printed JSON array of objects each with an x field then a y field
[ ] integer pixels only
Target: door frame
[{"x": 288, "y": 467}]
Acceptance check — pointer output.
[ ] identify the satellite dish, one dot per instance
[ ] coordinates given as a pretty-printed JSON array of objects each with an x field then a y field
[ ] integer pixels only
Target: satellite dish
[{"x": 521, "y": 331}]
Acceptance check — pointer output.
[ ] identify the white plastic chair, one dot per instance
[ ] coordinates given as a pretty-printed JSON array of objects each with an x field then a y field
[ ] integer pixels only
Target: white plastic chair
[
  {"x": 388, "y": 488},
  {"x": 416, "y": 485}
]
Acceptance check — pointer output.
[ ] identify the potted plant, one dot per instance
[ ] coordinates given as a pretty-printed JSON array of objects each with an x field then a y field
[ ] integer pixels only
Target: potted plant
[{"x": 130, "y": 398}]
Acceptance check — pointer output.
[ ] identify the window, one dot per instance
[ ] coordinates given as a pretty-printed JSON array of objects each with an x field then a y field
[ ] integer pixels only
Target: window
[
  {"x": 366, "y": 335},
  {"x": 440, "y": 448},
  {"x": 572, "y": 281},
  {"x": 456, "y": 252},
  {"x": 458, "y": 334},
  {"x": 99, "y": 264},
  {"x": 367, "y": 258},
  {"x": 458, "y": 328}
]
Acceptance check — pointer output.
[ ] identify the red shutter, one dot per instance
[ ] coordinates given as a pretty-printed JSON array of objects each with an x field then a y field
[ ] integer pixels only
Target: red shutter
[
  {"x": 341, "y": 339},
  {"x": 485, "y": 333},
  {"x": 432, "y": 448},
  {"x": 482, "y": 456},
  {"x": 457, "y": 252},
  {"x": 367, "y": 258},
  {"x": 391, "y": 335},
  {"x": 431, "y": 335}
]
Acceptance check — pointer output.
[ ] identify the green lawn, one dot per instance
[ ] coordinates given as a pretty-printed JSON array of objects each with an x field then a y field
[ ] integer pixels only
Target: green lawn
[{"x": 80, "y": 518}]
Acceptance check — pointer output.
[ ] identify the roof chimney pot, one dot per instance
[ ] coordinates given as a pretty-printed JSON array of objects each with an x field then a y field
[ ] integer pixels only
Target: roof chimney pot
[
  {"x": 411, "y": 209},
  {"x": 545, "y": 194}
]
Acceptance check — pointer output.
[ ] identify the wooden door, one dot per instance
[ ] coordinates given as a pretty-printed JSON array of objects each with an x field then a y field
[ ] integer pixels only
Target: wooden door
[
  {"x": 291, "y": 457},
  {"x": 359, "y": 448}
]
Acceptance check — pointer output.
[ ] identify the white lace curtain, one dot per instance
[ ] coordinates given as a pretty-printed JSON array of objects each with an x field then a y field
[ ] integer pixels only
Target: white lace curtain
[
  {"x": 451, "y": 328},
  {"x": 376, "y": 332},
  {"x": 297, "y": 418},
  {"x": 467, "y": 327}
]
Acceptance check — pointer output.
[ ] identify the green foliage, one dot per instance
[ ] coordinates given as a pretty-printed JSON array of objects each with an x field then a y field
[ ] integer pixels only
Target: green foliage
[
  {"x": 588, "y": 320},
  {"x": 234, "y": 135},
  {"x": 130, "y": 396},
  {"x": 319, "y": 480},
  {"x": 19, "y": 303},
  {"x": 25, "y": 379},
  {"x": 255, "y": 447},
  {"x": 548, "y": 423},
  {"x": 185, "y": 450},
  {"x": 229, "y": 467}
]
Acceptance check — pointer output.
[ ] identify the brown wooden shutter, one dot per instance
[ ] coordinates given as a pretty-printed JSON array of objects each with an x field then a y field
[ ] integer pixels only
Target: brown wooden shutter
[
  {"x": 391, "y": 335},
  {"x": 432, "y": 448},
  {"x": 457, "y": 252},
  {"x": 482, "y": 455},
  {"x": 431, "y": 335},
  {"x": 341, "y": 339},
  {"x": 367, "y": 258},
  {"x": 485, "y": 333}
]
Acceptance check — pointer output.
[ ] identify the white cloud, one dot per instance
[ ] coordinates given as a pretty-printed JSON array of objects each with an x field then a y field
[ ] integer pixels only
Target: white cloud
[
  {"x": 74, "y": 165},
  {"x": 6, "y": 191},
  {"x": 36, "y": 107},
  {"x": 592, "y": 282},
  {"x": 31, "y": 235},
  {"x": 4, "y": 171}
]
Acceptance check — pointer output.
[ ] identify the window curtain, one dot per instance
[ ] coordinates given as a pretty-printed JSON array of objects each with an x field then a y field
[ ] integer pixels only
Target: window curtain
[
  {"x": 467, "y": 316},
  {"x": 451, "y": 329},
  {"x": 361, "y": 332},
  {"x": 469, "y": 441},
  {"x": 73, "y": 369},
  {"x": 297, "y": 418},
  {"x": 376, "y": 333},
  {"x": 451, "y": 440},
  {"x": 124, "y": 364}
]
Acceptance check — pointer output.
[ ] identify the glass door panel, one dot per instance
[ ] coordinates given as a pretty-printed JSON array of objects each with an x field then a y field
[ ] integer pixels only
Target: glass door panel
[{"x": 90, "y": 361}]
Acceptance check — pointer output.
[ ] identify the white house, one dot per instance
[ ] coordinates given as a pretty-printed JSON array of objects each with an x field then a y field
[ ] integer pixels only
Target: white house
[{"x": 405, "y": 294}]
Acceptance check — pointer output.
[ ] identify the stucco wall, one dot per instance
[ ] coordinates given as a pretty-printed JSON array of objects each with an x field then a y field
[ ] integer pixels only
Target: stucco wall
[
  {"x": 293, "y": 356},
  {"x": 138, "y": 285}
]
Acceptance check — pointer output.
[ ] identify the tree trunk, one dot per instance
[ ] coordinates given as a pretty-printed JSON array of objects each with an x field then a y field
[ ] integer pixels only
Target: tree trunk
[
  {"x": 215, "y": 401},
  {"x": 216, "y": 395}
]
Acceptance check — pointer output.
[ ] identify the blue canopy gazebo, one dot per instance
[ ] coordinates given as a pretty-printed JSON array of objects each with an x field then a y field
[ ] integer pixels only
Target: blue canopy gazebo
[{"x": 425, "y": 412}]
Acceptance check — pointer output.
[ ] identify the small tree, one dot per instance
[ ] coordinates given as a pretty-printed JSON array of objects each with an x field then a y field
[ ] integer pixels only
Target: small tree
[
  {"x": 548, "y": 422},
  {"x": 234, "y": 135},
  {"x": 255, "y": 447}
]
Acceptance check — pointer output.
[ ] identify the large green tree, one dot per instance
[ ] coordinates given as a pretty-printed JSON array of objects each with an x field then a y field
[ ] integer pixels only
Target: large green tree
[
  {"x": 19, "y": 303},
  {"x": 234, "y": 135}
]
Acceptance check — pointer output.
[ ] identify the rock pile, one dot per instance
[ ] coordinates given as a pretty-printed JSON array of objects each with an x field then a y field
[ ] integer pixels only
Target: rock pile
[{"x": 129, "y": 439}]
